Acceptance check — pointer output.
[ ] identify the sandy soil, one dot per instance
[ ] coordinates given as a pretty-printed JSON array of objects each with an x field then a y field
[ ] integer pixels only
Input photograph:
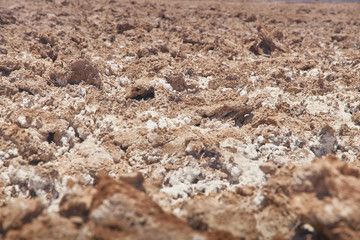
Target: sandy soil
[{"x": 179, "y": 120}]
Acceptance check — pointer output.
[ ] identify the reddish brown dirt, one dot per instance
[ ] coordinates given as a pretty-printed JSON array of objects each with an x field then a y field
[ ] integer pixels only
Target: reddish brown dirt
[{"x": 179, "y": 120}]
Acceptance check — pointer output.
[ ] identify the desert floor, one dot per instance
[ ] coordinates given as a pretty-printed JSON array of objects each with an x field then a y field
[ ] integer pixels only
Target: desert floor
[{"x": 179, "y": 120}]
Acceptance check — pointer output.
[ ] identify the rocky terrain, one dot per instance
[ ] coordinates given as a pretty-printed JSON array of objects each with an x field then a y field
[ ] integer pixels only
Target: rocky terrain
[{"x": 179, "y": 120}]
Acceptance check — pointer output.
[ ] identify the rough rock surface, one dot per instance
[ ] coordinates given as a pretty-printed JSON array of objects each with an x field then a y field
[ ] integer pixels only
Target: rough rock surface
[
  {"x": 179, "y": 120},
  {"x": 331, "y": 190}
]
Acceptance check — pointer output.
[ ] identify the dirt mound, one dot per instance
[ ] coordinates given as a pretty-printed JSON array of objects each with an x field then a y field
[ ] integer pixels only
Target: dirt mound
[
  {"x": 114, "y": 209},
  {"x": 327, "y": 197}
]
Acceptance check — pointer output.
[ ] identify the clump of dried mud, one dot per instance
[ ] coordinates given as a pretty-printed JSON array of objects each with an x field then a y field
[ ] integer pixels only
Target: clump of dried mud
[{"x": 179, "y": 120}]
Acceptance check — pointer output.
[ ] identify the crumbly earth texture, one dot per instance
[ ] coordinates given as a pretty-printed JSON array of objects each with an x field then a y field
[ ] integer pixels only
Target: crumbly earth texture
[{"x": 179, "y": 120}]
